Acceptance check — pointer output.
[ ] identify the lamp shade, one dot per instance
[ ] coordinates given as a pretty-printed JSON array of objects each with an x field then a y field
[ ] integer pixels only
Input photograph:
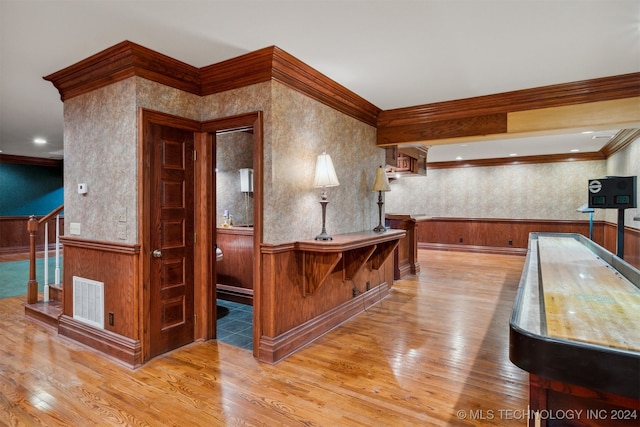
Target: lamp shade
[
  {"x": 325, "y": 173},
  {"x": 382, "y": 182}
]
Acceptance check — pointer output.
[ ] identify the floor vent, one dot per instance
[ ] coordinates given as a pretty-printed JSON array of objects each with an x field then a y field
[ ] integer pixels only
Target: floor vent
[{"x": 88, "y": 301}]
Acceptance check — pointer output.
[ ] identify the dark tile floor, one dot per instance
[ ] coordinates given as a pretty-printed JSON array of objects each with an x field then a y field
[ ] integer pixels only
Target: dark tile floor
[{"x": 235, "y": 324}]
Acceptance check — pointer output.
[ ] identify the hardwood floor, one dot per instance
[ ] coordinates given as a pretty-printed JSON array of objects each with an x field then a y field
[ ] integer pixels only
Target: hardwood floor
[{"x": 434, "y": 353}]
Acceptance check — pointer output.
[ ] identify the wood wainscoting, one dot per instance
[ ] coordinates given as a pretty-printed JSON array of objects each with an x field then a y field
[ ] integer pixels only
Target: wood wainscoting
[
  {"x": 631, "y": 242},
  {"x": 310, "y": 287},
  {"x": 14, "y": 236},
  {"x": 511, "y": 236},
  {"x": 235, "y": 270},
  {"x": 115, "y": 265}
]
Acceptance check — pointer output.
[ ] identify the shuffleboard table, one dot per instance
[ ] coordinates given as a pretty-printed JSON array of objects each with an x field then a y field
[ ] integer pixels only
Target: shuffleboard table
[{"x": 575, "y": 327}]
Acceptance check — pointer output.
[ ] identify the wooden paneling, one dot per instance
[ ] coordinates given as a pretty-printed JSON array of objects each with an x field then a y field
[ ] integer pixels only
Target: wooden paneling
[
  {"x": 235, "y": 271},
  {"x": 442, "y": 129},
  {"x": 116, "y": 265},
  {"x": 631, "y": 242},
  {"x": 14, "y": 236},
  {"x": 493, "y": 235},
  {"x": 291, "y": 317}
]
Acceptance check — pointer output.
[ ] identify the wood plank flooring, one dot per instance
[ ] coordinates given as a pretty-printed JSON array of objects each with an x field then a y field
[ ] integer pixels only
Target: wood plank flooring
[{"x": 434, "y": 353}]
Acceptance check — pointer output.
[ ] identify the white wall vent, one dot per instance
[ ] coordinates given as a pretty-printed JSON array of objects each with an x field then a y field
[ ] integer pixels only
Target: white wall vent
[{"x": 88, "y": 301}]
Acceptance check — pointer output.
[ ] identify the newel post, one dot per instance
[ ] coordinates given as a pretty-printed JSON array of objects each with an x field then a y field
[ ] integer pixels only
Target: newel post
[{"x": 32, "y": 284}]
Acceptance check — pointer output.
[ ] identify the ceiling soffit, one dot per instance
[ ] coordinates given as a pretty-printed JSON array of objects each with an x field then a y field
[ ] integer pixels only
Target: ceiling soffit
[{"x": 463, "y": 118}]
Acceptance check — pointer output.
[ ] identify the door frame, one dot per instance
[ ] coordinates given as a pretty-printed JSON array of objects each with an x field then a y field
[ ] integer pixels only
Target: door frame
[
  {"x": 145, "y": 187},
  {"x": 206, "y": 215}
]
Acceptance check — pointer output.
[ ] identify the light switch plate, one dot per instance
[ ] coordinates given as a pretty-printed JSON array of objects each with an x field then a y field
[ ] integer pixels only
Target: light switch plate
[
  {"x": 122, "y": 231},
  {"x": 74, "y": 228}
]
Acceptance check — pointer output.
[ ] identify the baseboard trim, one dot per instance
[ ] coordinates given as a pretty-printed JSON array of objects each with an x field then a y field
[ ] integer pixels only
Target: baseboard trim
[
  {"x": 274, "y": 349},
  {"x": 124, "y": 350},
  {"x": 475, "y": 249}
]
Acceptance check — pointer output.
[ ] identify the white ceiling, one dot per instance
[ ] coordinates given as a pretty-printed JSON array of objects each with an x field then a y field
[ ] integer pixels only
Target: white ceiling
[{"x": 393, "y": 53}]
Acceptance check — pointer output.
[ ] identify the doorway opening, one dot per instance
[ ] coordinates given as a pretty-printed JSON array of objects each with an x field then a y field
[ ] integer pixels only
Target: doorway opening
[
  {"x": 231, "y": 220},
  {"x": 235, "y": 257}
]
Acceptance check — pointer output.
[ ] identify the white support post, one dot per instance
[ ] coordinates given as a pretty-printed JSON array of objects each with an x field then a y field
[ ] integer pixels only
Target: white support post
[
  {"x": 57, "y": 272},
  {"x": 46, "y": 261}
]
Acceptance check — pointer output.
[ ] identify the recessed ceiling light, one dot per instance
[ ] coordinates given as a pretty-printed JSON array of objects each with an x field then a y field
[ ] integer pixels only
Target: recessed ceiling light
[
  {"x": 586, "y": 132},
  {"x": 513, "y": 154},
  {"x": 575, "y": 150},
  {"x": 40, "y": 141},
  {"x": 458, "y": 158}
]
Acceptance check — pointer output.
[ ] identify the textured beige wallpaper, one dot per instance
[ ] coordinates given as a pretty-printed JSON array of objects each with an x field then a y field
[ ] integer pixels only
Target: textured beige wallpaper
[
  {"x": 296, "y": 130},
  {"x": 234, "y": 151},
  {"x": 536, "y": 191},
  {"x": 100, "y": 149}
]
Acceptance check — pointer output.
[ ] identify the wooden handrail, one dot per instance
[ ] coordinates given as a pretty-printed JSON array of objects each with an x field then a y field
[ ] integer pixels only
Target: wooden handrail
[
  {"x": 51, "y": 214},
  {"x": 32, "y": 228}
]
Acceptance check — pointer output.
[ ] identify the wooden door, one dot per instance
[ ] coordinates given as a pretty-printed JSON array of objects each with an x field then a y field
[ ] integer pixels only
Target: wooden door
[{"x": 171, "y": 277}]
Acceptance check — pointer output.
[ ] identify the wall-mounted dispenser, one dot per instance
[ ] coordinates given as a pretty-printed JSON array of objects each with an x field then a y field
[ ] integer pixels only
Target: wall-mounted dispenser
[{"x": 246, "y": 180}]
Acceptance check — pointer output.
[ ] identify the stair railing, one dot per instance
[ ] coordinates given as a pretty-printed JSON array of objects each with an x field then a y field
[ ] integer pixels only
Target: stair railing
[{"x": 32, "y": 227}]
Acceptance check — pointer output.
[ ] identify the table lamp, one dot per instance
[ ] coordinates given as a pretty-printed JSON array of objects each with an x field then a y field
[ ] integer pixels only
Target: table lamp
[
  {"x": 325, "y": 177},
  {"x": 380, "y": 184}
]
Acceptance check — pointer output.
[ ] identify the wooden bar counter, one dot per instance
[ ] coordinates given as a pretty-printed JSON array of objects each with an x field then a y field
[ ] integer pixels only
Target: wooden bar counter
[
  {"x": 406, "y": 254},
  {"x": 574, "y": 328},
  {"x": 311, "y": 286}
]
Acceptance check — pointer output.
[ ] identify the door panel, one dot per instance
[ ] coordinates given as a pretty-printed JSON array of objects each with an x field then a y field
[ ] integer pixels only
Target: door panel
[{"x": 171, "y": 239}]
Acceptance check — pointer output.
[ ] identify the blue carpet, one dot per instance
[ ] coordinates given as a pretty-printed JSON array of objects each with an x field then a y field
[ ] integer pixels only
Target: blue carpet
[{"x": 15, "y": 275}]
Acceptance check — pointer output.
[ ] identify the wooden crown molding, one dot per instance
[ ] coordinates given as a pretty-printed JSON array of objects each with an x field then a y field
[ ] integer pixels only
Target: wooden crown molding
[
  {"x": 579, "y": 92},
  {"x": 127, "y": 59},
  {"x": 620, "y": 141},
  {"x": 34, "y": 161},
  {"x": 511, "y": 161},
  {"x": 119, "y": 62},
  {"x": 464, "y": 117}
]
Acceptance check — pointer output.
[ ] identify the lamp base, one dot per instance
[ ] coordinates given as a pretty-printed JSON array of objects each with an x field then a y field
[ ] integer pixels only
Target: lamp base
[
  {"x": 323, "y": 236},
  {"x": 380, "y": 229}
]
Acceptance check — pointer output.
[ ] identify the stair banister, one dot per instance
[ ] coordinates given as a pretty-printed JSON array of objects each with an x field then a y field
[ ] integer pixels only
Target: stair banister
[
  {"x": 32, "y": 284},
  {"x": 32, "y": 227}
]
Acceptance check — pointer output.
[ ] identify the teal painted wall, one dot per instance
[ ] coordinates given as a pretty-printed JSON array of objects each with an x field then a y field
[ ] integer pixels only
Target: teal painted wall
[{"x": 30, "y": 189}]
